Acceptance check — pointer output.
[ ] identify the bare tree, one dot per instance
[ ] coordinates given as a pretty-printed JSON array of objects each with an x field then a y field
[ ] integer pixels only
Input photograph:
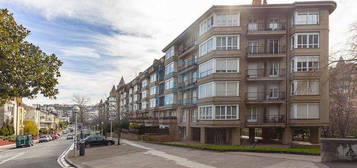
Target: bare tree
[{"x": 82, "y": 102}]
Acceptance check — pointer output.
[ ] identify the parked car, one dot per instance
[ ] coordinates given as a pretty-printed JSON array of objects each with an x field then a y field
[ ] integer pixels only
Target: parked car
[
  {"x": 24, "y": 140},
  {"x": 96, "y": 140},
  {"x": 44, "y": 139},
  {"x": 69, "y": 136},
  {"x": 54, "y": 136},
  {"x": 49, "y": 137}
]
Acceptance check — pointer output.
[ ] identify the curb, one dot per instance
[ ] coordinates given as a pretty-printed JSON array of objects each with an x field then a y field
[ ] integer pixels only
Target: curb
[{"x": 70, "y": 162}]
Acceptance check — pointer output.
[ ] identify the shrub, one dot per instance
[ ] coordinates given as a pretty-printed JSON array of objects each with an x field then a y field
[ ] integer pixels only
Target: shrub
[
  {"x": 43, "y": 131},
  {"x": 30, "y": 127},
  {"x": 7, "y": 130}
]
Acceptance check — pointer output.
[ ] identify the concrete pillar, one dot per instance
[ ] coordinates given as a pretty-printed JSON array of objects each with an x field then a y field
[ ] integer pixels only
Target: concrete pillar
[
  {"x": 236, "y": 136},
  {"x": 266, "y": 134},
  {"x": 314, "y": 135},
  {"x": 287, "y": 136},
  {"x": 251, "y": 134},
  {"x": 203, "y": 135}
]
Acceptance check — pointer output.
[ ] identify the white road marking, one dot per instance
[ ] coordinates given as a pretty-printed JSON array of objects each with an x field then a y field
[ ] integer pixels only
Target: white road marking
[
  {"x": 178, "y": 160},
  {"x": 61, "y": 159},
  {"x": 11, "y": 158}
]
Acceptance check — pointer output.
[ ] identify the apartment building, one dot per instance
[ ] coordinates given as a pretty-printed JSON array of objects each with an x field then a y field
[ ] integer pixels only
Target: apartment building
[{"x": 260, "y": 66}]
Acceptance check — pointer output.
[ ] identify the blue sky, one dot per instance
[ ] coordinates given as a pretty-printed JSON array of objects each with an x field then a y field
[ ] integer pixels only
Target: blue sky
[{"x": 100, "y": 41}]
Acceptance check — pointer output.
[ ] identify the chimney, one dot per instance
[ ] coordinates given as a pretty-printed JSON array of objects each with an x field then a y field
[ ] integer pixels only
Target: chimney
[
  {"x": 265, "y": 2},
  {"x": 257, "y": 2}
]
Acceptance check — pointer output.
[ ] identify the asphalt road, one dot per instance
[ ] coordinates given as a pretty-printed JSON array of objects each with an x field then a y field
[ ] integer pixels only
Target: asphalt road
[{"x": 42, "y": 155}]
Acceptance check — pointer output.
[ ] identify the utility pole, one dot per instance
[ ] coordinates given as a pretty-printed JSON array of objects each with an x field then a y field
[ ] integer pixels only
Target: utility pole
[
  {"x": 118, "y": 114},
  {"x": 75, "y": 110}
]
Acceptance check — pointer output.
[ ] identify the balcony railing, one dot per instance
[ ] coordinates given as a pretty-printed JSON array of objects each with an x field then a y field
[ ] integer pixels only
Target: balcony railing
[
  {"x": 187, "y": 83},
  {"x": 186, "y": 47},
  {"x": 265, "y": 96},
  {"x": 261, "y": 73},
  {"x": 154, "y": 118},
  {"x": 258, "y": 50},
  {"x": 187, "y": 101},
  {"x": 255, "y": 27},
  {"x": 267, "y": 119}
]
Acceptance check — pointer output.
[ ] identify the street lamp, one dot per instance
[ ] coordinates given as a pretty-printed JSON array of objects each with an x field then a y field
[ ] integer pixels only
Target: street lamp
[{"x": 75, "y": 110}]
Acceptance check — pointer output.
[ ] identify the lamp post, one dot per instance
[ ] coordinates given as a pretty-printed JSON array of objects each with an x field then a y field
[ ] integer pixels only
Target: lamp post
[{"x": 75, "y": 110}]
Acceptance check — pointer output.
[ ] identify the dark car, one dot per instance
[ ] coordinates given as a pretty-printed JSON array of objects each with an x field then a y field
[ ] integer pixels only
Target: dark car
[{"x": 97, "y": 141}]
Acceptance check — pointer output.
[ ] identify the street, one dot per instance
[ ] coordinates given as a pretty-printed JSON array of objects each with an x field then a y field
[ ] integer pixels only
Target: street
[{"x": 41, "y": 155}]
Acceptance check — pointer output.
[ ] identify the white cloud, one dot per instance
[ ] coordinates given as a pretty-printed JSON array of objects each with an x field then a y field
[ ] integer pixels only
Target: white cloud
[{"x": 149, "y": 25}]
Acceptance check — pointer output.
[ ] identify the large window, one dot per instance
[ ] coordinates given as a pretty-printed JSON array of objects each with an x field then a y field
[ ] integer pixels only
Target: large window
[
  {"x": 305, "y": 87},
  {"x": 135, "y": 98},
  {"x": 206, "y": 24},
  {"x": 306, "y": 16},
  {"x": 206, "y": 68},
  {"x": 135, "y": 88},
  {"x": 227, "y": 88},
  {"x": 153, "y": 90},
  {"x": 305, "y": 40},
  {"x": 227, "y": 20},
  {"x": 194, "y": 115},
  {"x": 305, "y": 63},
  {"x": 227, "y": 42},
  {"x": 206, "y": 90},
  {"x": 144, "y": 83},
  {"x": 218, "y": 88},
  {"x": 170, "y": 52},
  {"x": 227, "y": 64},
  {"x": 205, "y": 112},
  {"x": 305, "y": 111},
  {"x": 153, "y": 77},
  {"x": 152, "y": 102},
  {"x": 144, "y": 105},
  {"x": 144, "y": 94},
  {"x": 169, "y": 84},
  {"x": 169, "y": 99},
  {"x": 219, "y": 112},
  {"x": 169, "y": 68},
  {"x": 207, "y": 46}
]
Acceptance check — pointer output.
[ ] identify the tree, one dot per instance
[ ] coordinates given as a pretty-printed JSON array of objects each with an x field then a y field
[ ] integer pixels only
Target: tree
[
  {"x": 7, "y": 130},
  {"x": 81, "y": 102},
  {"x": 30, "y": 127},
  {"x": 25, "y": 70}
]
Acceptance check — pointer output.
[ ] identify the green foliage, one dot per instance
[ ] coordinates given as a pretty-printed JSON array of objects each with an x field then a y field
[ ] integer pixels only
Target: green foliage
[
  {"x": 30, "y": 127},
  {"x": 265, "y": 149},
  {"x": 63, "y": 125},
  {"x": 25, "y": 69},
  {"x": 134, "y": 125},
  {"x": 7, "y": 130},
  {"x": 44, "y": 131}
]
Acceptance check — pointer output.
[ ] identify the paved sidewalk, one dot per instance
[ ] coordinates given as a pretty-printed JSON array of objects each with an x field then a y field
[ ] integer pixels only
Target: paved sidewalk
[{"x": 145, "y": 155}]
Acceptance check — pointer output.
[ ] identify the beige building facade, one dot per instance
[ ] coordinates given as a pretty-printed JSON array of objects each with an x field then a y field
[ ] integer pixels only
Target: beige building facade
[{"x": 260, "y": 66}]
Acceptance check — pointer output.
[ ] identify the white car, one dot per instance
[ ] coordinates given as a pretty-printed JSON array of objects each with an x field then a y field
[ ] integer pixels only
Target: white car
[
  {"x": 44, "y": 139},
  {"x": 49, "y": 137}
]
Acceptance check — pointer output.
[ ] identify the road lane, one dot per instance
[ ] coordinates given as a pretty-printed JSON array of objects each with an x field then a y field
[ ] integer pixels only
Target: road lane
[{"x": 43, "y": 155}]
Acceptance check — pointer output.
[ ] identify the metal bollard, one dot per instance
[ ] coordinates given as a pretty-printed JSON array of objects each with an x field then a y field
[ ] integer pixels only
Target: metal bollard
[{"x": 82, "y": 149}]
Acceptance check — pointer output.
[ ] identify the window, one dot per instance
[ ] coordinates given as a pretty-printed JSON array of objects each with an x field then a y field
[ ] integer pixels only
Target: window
[
  {"x": 307, "y": 16},
  {"x": 131, "y": 91},
  {"x": 227, "y": 88},
  {"x": 135, "y": 107},
  {"x": 130, "y": 99},
  {"x": 144, "y": 94},
  {"x": 206, "y": 46},
  {"x": 153, "y": 90},
  {"x": 305, "y": 111},
  {"x": 169, "y": 84},
  {"x": 206, "y": 24},
  {"x": 305, "y": 40},
  {"x": 305, "y": 87},
  {"x": 170, "y": 52},
  {"x": 227, "y": 20},
  {"x": 169, "y": 68},
  {"x": 169, "y": 99},
  {"x": 153, "y": 77},
  {"x": 227, "y": 64},
  {"x": 144, "y": 83},
  {"x": 252, "y": 114},
  {"x": 228, "y": 42},
  {"x": 220, "y": 112},
  {"x": 206, "y": 68},
  {"x": 205, "y": 112},
  {"x": 194, "y": 115},
  {"x": 305, "y": 63},
  {"x": 152, "y": 103},
  {"x": 135, "y": 98},
  {"x": 144, "y": 105},
  {"x": 205, "y": 90},
  {"x": 135, "y": 88}
]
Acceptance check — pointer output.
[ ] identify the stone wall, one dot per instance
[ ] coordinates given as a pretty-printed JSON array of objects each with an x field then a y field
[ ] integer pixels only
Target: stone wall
[{"x": 338, "y": 149}]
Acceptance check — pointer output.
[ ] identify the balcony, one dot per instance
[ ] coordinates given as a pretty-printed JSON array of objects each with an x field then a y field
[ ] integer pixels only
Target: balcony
[
  {"x": 187, "y": 102},
  {"x": 186, "y": 67},
  {"x": 265, "y": 74},
  {"x": 265, "y": 52},
  {"x": 266, "y": 29},
  {"x": 265, "y": 97},
  {"x": 187, "y": 85},
  {"x": 186, "y": 49},
  {"x": 265, "y": 119}
]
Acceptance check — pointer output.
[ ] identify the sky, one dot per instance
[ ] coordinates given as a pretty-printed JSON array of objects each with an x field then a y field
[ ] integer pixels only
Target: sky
[{"x": 100, "y": 41}]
